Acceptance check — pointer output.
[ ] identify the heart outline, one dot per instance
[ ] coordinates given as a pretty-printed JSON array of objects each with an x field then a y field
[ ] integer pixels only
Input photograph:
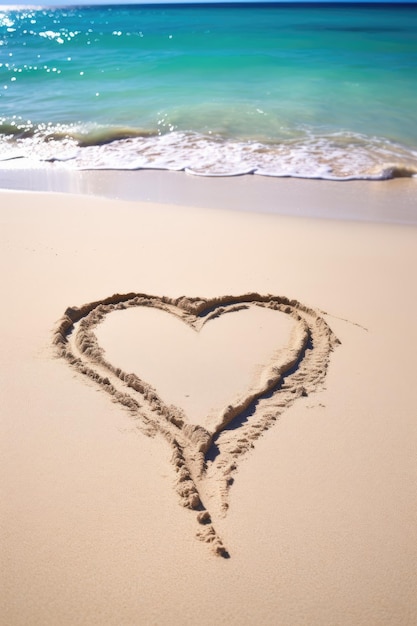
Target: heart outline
[{"x": 198, "y": 454}]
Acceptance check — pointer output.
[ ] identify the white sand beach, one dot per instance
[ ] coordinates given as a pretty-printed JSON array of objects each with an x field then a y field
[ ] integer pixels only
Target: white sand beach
[{"x": 285, "y": 343}]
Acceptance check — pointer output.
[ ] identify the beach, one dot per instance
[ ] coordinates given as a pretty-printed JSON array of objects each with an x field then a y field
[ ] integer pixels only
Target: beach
[
  {"x": 310, "y": 519},
  {"x": 208, "y": 237}
]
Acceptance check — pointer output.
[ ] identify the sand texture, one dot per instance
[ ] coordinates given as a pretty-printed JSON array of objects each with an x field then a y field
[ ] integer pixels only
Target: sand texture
[{"x": 170, "y": 372}]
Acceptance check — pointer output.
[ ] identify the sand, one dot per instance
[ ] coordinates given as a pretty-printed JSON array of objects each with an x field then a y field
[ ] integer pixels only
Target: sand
[
  {"x": 283, "y": 435},
  {"x": 392, "y": 200}
]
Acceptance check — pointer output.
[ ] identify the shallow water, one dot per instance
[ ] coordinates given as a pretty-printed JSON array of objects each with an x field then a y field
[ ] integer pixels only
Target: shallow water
[{"x": 311, "y": 91}]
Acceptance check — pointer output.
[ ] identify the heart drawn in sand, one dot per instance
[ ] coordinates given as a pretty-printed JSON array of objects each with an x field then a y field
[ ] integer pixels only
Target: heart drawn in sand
[{"x": 207, "y": 444}]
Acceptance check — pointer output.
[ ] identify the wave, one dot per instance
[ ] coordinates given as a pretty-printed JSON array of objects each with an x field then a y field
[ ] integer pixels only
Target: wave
[
  {"x": 82, "y": 136},
  {"x": 330, "y": 156}
]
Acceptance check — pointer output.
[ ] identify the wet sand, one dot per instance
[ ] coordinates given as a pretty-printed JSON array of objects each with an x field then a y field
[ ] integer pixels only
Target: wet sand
[{"x": 392, "y": 201}]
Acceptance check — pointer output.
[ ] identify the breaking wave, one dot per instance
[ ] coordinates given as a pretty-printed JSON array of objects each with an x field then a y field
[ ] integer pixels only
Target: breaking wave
[{"x": 331, "y": 156}]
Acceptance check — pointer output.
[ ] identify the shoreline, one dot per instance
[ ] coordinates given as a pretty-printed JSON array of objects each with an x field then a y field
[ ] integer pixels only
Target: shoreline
[{"x": 391, "y": 201}]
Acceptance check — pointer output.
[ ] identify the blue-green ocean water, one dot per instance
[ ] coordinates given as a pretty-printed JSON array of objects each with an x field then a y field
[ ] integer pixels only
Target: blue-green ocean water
[{"x": 318, "y": 91}]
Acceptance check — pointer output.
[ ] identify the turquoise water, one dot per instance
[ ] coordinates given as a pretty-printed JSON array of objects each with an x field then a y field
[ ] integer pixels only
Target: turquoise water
[{"x": 317, "y": 91}]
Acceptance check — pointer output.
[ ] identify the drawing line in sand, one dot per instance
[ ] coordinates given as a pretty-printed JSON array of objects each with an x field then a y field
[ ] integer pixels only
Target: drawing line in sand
[{"x": 204, "y": 457}]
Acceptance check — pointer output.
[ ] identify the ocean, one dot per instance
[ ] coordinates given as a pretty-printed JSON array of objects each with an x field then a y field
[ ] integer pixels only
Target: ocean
[{"x": 297, "y": 90}]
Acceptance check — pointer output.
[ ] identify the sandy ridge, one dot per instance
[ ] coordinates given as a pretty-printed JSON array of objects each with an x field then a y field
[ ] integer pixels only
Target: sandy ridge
[{"x": 204, "y": 459}]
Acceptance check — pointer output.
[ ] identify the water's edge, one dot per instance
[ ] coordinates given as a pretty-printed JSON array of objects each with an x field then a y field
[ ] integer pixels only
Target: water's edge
[{"x": 389, "y": 201}]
